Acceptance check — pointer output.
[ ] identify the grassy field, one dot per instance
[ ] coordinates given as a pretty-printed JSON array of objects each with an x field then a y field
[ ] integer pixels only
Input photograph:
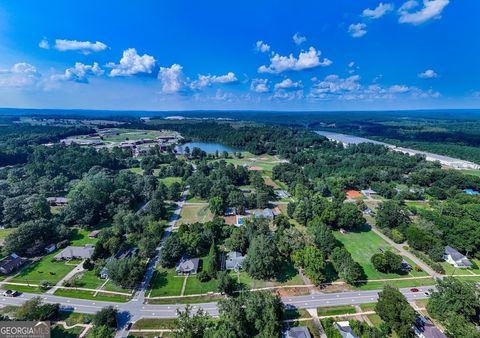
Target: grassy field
[
  {"x": 21, "y": 288},
  {"x": 154, "y": 323},
  {"x": 194, "y": 286},
  {"x": 451, "y": 270},
  {"x": 399, "y": 283},
  {"x": 195, "y": 213},
  {"x": 5, "y": 232},
  {"x": 166, "y": 283},
  {"x": 60, "y": 332},
  {"x": 81, "y": 294},
  {"x": 474, "y": 172},
  {"x": 363, "y": 245},
  {"x": 168, "y": 181},
  {"x": 264, "y": 162},
  {"x": 336, "y": 310},
  {"x": 89, "y": 280},
  {"x": 43, "y": 270}
]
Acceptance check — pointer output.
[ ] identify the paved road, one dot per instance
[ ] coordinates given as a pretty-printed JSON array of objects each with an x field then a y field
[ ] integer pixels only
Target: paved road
[{"x": 137, "y": 310}]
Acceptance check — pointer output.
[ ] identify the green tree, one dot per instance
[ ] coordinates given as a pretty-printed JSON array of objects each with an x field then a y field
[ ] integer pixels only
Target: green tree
[
  {"x": 262, "y": 261},
  {"x": 34, "y": 309},
  {"x": 211, "y": 263},
  {"x": 226, "y": 283},
  {"x": 171, "y": 252},
  {"x": 312, "y": 261},
  {"x": 106, "y": 317},
  {"x": 101, "y": 331},
  {"x": 350, "y": 217},
  {"x": 192, "y": 325},
  {"x": 216, "y": 205},
  {"x": 322, "y": 236},
  {"x": 391, "y": 214},
  {"x": 396, "y": 312}
]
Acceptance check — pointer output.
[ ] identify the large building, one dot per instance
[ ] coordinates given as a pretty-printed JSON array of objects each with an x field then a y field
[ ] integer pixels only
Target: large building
[{"x": 76, "y": 252}]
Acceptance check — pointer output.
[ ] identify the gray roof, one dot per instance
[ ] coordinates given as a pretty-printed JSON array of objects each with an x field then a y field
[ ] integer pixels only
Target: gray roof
[
  {"x": 234, "y": 260},
  {"x": 11, "y": 263},
  {"x": 187, "y": 265},
  {"x": 76, "y": 252},
  {"x": 345, "y": 330},
  {"x": 266, "y": 213},
  {"x": 428, "y": 329},
  {"x": 460, "y": 259},
  {"x": 297, "y": 332}
]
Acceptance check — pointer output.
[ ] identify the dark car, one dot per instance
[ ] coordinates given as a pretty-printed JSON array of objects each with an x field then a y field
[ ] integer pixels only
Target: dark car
[
  {"x": 414, "y": 290},
  {"x": 128, "y": 326}
]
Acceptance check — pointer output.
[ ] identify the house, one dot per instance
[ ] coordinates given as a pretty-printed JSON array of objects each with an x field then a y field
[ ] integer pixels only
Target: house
[
  {"x": 11, "y": 263},
  {"x": 282, "y": 194},
  {"x": 234, "y": 261},
  {"x": 187, "y": 266},
  {"x": 471, "y": 192},
  {"x": 57, "y": 201},
  {"x": 455, "y": 258},
  {"x": 424, "y": 328},
  {"x": 296, "y": 332},
  {"x": 368, "y": 192},
  {"x": 76, "y": 252},
  {"x": 345, "y": 330},
  {"x": 230, "y": 212},
  {"x": 265, "y": 213},
  {"x": 51, "y": 248},
  {"x": 368, "y": 212},
  {"x": 93, "y": 234},
  {"x": 353, "y": 194}
]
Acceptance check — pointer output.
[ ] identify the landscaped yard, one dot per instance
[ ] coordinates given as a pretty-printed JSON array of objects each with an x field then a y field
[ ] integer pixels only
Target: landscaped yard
[
  {"x": 46, "y": 269},
  {"x": 194, "y": 286},
  {"x": 363, "y": 245},
  {"x": 451, "y": 270},
  {"x": 81, "y": 294},
  {"x": 195, "y": 213},
  {"x": 5, "y": 232},
  {"x": 168, "y": 181},
  {"x": 336, "y": 310},
  {"x": 166, "y": 283}
]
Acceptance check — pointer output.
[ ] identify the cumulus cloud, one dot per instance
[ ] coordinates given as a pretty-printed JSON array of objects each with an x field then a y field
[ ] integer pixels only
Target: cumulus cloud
[
  {"x": 306, "y": 60},
  {"x": 299, "y": 39},
  {"x": 173, "y": 79},
  {"x": 44, "y": 44},
  {"x": 21, "y": 74},
  {"x": 288, "y": 84},
  {"x": 80, "y": 73},
  {"x": 378, "y": 11},
  {"x": 85, "y": 47},
  {"x": 208, "y": 80},
  {"x": 131, "y": 63},
  {"x": 428, "y": 74},
  {"x": 259, "y": 86},
  {"x": 357, "y": 30},
  {"x": 262, "y": 47},
  {"x": 414, "y": 13},
  {"x": 350, "y": 88}
]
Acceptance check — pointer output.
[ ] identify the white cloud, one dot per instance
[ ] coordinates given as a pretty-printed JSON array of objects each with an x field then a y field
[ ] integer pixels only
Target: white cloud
[
  {"x": 378, "y": 12},
  {"x": 357, "y": 30},
  {"x": 131, "y": 63},
  {"x": 431, "y": 9},
  {"x": 262, "y": 47},
  {"x": 79, "y": 73},
  {"x": 208, "y": 80},
  {"x": 428, "y": 74},
  {"x": 172, "y": 78},
  {"x": 299, "y": 39},
  {"x": 44, "y": 44},
  {"x": 288, "y": 84},
  {"x": 306, "y": 60},
  {"x": 351, "y": 64},
  {"x": 86, "y": 47},
  {"x": 21, "y": 74},
  {"x": 333, "y": 87},
  {"x": 259, "y": 86}
]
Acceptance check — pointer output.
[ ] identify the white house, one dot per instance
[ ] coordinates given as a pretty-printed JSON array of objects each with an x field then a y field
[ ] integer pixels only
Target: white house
[{"x": 455, "y": 258}]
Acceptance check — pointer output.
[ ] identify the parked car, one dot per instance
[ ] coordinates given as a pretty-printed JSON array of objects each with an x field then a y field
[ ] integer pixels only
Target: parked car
[
  {"x": 414, "y": 290},
  {"x": 129, "y": 326},
  {"x": 10, "y": 293}
]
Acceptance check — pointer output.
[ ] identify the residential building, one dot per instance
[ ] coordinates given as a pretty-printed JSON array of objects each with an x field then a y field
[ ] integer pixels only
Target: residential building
[
  {"x": 94, "y": 234},
  {"x": 368, "y": 192},
  {"x": 471, "y": 192},
  {"x": 57, "y": 201},
  {"x": 11, "y": 263},
  {"x": 345, "y": 330},
  {"x": 234, "y": 261},
  {"x": 187, "y": 266},
  {"x": 296, "y": 332},
  {"x": 230, "y": 212},
  {"x": 265, "y": 213},
  {"x": 76, "y": 252},
  {"x": 455, "y": 258},
  {"x": 424, "y": 328}
]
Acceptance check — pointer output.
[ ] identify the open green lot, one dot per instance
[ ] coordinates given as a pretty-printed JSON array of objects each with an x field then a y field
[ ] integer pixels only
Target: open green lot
[
  {"x": 264, "y": 162},
  {"x": 45, "y": 269},
  {"x": 5, "y": 232},
  {"x": 166, "y": 283},
  {"x": 451, "y": 270},
  {"x": 81, "y": 294},
  {"x": 195, "y": 213},
  {"x": 336, "y": 310},
  {"x": 399, "y": 283},
  {"x": 195, "y": 287},
  {"x": 363, "y": 245},
  {"x": 168, "y": 181}
]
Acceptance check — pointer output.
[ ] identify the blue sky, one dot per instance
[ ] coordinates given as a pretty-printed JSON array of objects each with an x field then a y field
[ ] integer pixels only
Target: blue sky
[{"x": 279, "y": 55}]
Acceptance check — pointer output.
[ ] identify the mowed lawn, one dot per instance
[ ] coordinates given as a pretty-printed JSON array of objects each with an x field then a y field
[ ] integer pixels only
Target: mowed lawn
[
  {"x": 46, "y": 269},
  {"x": 363, "y": 245},
  {"x": 165, "y": 282},
  {"x": 195, "y": 213}
]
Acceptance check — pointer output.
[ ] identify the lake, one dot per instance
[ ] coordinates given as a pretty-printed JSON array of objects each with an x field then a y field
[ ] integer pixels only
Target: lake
[{"x": 209, "y": 148}]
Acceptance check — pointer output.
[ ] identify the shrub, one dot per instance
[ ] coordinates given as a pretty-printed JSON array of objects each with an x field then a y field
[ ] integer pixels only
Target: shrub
[{"x": 203, "y": 276}]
